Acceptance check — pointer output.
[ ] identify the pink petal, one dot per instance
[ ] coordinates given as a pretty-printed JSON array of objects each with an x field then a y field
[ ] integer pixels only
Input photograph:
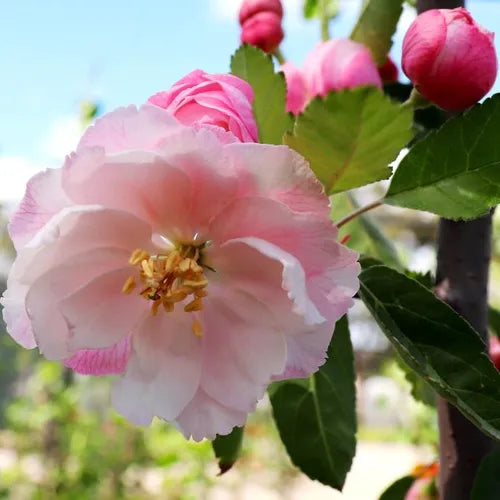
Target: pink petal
[
  {"x": 163, "y": 372},
  {"x": 101, "y": 361}
]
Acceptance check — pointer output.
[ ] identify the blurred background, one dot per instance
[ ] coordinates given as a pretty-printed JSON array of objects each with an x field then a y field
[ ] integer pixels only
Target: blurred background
[{"x": 64, "y": 63}]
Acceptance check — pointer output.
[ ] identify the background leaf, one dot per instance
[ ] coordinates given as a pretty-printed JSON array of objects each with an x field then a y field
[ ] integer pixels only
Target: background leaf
[
  {"x": 227, "y": 448},
  {"x": 376, "y": 26},
  {"x": 398, "y": 489},
  {"x": 350, "y": 137},
  {"x": 487, "y": 481},
  {"x": 494, "y": 321},
  {"x": 435, "y": 342},
  {"x": 256, "y": 67},
  {"x": 310, "y": 8},
  {"x": 454, "y": 172},
  {"x": 316, "y": 417}
]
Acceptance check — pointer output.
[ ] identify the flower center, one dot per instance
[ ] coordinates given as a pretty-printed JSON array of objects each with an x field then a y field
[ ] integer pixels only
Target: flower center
[{"x": 170, "y": 278}]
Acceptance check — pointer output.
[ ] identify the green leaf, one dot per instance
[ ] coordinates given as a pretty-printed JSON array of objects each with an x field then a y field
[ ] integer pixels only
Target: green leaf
[
  {"x": 437, "y": 343},
  {"x": 454, "y": 172},
  {"x": 398, "y": 489},
  {"x": 311, "y": 9},
  {"x": 494, "y": 321},
  {"x": 350, "y": 137},
  {"x": 376, "y": 26},
  {"x": 487, "y": 481},
  {"x": 316, "y": 417},
  {"x": 256, "y": 67},
  {"x": 227, "y": 448}
]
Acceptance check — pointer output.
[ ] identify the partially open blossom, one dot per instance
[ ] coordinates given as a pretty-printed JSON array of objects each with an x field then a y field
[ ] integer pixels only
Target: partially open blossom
[
  {"x": 450, "y": 58},
  {"x": 339, "y": 64},
  {"x": 263, "y": 30},
  {"x": 251, "y": 7},
  {"x": 222, "y": 102},
  {"x": 200, "y": 269},
  {"x": 495, "y": 351},
  {"x": 388, "y": 71},
  {"x": 296, "y": 95}
]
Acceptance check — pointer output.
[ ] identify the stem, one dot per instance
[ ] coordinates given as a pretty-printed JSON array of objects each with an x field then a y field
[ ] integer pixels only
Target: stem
[
  {"x": 358, "y": 212},
  {"x": 279, "y": 56},
  {"x": 325, "y": 31}
]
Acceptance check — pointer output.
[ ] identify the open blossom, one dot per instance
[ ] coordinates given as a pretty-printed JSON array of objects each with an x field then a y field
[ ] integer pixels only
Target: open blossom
[
  {"x": 219, "y": 101},
  {"x": 198, "y": 269},
  {"x": 450, "y": 58},
  {"x": 339, "y": 64}
]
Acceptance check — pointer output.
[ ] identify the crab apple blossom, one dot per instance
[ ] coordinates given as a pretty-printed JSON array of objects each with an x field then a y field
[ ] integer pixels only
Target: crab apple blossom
[
  {"x": 219, "y": 101},
  {"x": 199, "y": 269},
  {"x": 339, "y": 64},
  {"x": 450, "y": 58},
  {"x": 495, "y": 351},
  {"x": 263, "y": 30},
  {"x": 296, "y": 96},
  {"x": 251, "y": 7}
]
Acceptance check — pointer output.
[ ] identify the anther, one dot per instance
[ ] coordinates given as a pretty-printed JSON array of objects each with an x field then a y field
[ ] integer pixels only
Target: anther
[
  {"x": 197, "y": 328},
  {"x": 147, "y": 268},
  {"x": 155, "y": 307},
  {"x": 129, "y": 285},
  {"x": 195, "y": 284},
  {"x": 194, "y": 305}
]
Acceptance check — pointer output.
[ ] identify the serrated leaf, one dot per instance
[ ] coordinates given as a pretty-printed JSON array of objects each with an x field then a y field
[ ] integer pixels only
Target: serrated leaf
[
  {"x": 256, "y": 67},
  {"x": 350, "y": 137},
  {"x": 437, "y": 343},
  {"x": 316, "y": 417},
  {"x": 398, "y": 489},
  {"x": 227, "y": 448},
  {"x": 454, "y": 172},
  {"x": 376, "y": 26},
  {"x": 487, "y": 481}
]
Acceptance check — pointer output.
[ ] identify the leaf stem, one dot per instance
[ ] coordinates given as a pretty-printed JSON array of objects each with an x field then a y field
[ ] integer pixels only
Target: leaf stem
[
  {"x": 279, "y": 56},
  {"x": 325, "y": 31},
  {"x": 358, "y": 212}
]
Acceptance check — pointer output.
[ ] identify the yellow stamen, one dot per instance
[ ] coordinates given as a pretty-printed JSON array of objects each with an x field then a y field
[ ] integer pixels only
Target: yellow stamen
[
  {"x": 197, "y": 328},
  {"x": 176, "y": 296},
  {"x": 137, "y": 256},
  {"x": 129, "y": 285},
  {"x": 155, "y": 307},
  {"x": 147, "y": 268},
  {"x": 194, "y": 305},
  {"x": 168, "y": 306},
  {"x": 201, "y": 292},
  {"x": 195, "y": 284}
]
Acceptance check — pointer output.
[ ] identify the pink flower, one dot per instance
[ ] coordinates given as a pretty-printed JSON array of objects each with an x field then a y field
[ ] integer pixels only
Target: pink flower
[
  {"x": 449, "y": 58},
  {"x": 221, "y": 102},
  {"x": 388, "y": 71},
  {"x": 200, "y": 269},
  {"x": 495, "y": 351},
  {"x": 339, "y": 64},
  {"x": 263, "y": 30},
  {"x": 251, "y": 7},
  {"x": 296, "y": 96}
]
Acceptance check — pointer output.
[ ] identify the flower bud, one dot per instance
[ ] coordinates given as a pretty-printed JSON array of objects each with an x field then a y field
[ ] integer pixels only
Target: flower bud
[
  {"x": 388, "y": 71},
  {"x": 339, "y": 64},
  {"x": 263, "y": 30},
  {"x": 251, "y": 7},
  {"x": 449, "y": 58},
  {"x": 296, "y": 95},
  {"x": 495, "y": 351}
]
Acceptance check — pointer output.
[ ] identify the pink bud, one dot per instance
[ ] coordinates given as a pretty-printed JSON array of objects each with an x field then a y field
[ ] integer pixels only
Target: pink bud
[
  {"x": 388, "y": 71},
  {"x": 495, "y": 351},
  {"x": 450, "y": 58},
  {"x": 263, "y": 30},
  {"x": 296, "y": 95},
  {"x": 339, "y": 64},
  {"x": 251, "y": 7}
]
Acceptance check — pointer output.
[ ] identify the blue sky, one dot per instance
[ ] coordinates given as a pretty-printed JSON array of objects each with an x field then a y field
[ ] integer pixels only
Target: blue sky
[{"x": 55, "y": 53}]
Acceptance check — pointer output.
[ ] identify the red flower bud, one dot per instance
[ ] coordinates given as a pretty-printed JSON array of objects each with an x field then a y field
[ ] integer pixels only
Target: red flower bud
[
  {"x": 495, "y": 351},
  {"x": 388, "y": 71},
  {"x": 263, "y": 30},
  {"x": 450, "y": 59},
  {"x": 251, "y": 7}
]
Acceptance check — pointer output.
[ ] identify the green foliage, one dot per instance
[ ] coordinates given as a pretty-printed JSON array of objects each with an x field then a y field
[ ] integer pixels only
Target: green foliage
[
  {"x": 227, "y": 448},
  {"x": 376, "y": 26},
  {"x": 494, "y": 321},
  {"x": 398, "y": 489},
  {"x": 256, "y": 67},
  {"x": 316, "y": 417},
  {"x": 437, "y": 343},
  {"x": 350, "y": 137},
  {"x": 487, "y": 481},
  {"x": 311, "y": 8},
  {"x": 454, "y": 172}
]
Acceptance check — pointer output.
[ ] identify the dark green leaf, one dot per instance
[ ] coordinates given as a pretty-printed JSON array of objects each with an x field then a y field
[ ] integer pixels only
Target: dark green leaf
[
  {"x": 487, "y": 482},
  {"x": 256, "y": 67},
  {"x": 376, "y": 26},
  {"x": 316, "y": 417},
  {"x": 436, "y": 342},
  {"x": 494, "y": 321},
  {"x": 350, "y": 137},
  {"x": 454, "y": 172},
  {"x": 398, "y": 489},
  {"x": 227, "y": 448},
  {"x": 420, "y": 389}
]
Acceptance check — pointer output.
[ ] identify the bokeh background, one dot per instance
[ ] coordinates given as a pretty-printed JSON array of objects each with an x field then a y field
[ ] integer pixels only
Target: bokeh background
[{"x": 62, "y": 64}]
